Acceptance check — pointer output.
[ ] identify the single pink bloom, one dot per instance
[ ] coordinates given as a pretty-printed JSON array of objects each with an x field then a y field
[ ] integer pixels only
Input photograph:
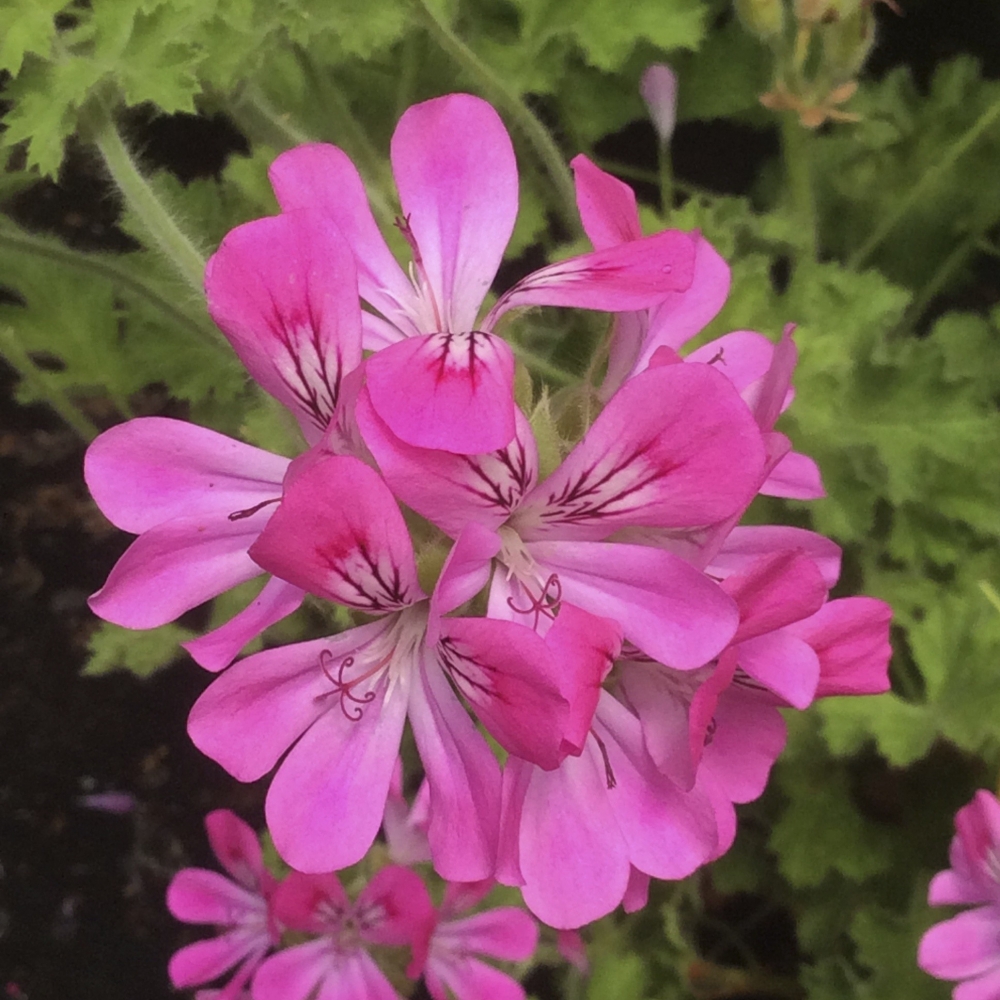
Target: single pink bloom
[
  {"x": 659, "y": 90},
  {"x": 239, "y": 906},
  {"x": 967, "y": 947},
  {"x": 452, "y": 942},
  {"x": 441, "y": 378},
  {"x": 343, "y": 701},
  {"x": 393, "y": 909}
]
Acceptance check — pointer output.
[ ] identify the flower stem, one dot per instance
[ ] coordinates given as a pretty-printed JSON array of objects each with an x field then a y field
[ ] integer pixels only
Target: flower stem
[
  {"x": 153, "y": 216},
  {"x": 539, "y": 364},
  {"x": 44, "y": 385},
  {"x": 533, "y": 130},
  {"x": 927, "y": 182},
  {"x": 666, "y": 180},
  {"x": 798, "y": 171}
]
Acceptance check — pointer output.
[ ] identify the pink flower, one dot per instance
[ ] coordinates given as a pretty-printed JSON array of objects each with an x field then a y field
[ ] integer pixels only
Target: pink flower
[
  {"x": 393, "y": 910},
  {"x": 241, "y": 907},
  {"x": 447, "y": 956},
  {"x": 343, "y": 701},
  {"x": 967, "y": 947},
  {"x": 285, "y": 293},
  {"x": 441, "y": 378}
]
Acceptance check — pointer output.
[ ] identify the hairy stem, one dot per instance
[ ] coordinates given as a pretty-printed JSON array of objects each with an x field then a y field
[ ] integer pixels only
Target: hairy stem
[
  {"x": 540, "y": 365},
  {"x": 798, "y": 170}
]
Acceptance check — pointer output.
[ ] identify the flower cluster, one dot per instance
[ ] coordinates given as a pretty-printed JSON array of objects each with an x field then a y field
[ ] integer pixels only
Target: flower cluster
[
  {"x": 304, "y": 936},
  {"x": 967, "y": 947},
  {"x": 594, "y": 609}
]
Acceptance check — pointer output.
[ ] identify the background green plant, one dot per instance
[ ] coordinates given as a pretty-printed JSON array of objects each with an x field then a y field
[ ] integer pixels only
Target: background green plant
[{"x": 861, "y": 233}]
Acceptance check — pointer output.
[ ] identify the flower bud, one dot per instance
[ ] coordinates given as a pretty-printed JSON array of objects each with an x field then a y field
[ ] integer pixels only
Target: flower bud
[
  {"x": 659, "y": 90},
  {"x": 765, "y": 18},
  {"x": 847, "y": 42}
]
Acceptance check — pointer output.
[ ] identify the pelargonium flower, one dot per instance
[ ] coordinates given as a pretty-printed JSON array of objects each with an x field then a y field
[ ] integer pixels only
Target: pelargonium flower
[
  {"x": 393, "y": 909},
  {"x": 284, "y": 290},
  {"x": 441, "y": 378},
  {"x": 240, "y": 906},
  {"x": 966, "y": 948},
  {"x": 343, "y": 701},
  {"x": 448, "y": 954}
]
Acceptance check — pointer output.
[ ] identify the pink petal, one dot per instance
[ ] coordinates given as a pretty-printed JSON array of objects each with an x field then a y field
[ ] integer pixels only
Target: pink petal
[
  {"x": 394, "y": 907},
  {"x": 249, "y": 716},
  {"x": 470, "y": 979},
  {"x": 742, "y": 356},
  {"x": 465, "y": 573},
  {"x": 607, "y": 205},
  {"x": 452, "y": 490},
  {"x": 463, "y": 776},
  {"x": 851, "y": 639},
  {"x": 199, "y": 896},
  {"x": 284, "y": 291},
  {"x": 628, "y": 332},
  {"x": 675, "y": 447},
  {"x": 975, "y": 847},
  {"x": 218, "y": 648},
  {"x": 175, "y": 567},
  {"x": 621, "y": 278},
  {"x": 744, "y": 546},
  {"x": 461, "y": 896},
  {"x": 314, "y": 903},
  {"x": 204, "y": 961},
  {"x": 504, "y": 932},
  {"x": 637, "y": 894},
  {"x": 294, "y": 973},
  {"x": 357, "y": 978},
  {"x": 701, "y": 718},
  {"x": 985, "y": 987},
  {"x": 454, "y": 166},
  {"x": 153, "y": 469},
  {"x": 666, "y": 607},
  {"x": 325, "y": 804},
  {"x": 784, "y": 664},
  {"x": 796, "y": 477},
  {"x": 659, "y": 90},
  {"x": 965, "y": 946},
  {"x": 339, "y": 534},
  {"x": 236, "y": 846},
  {"x": 322, "y": 178},
  {"x": 569, "y": 880},
  {"x": 949, "y": 888},
  {"x": 682, "y": 314},
  {"x": 774, "y": 591},
  {"x": 772, "y": 395},
  {"x": 450, "y": 391},
  {"x": 508, "y": 675},
  {"x": 572, "y": 948}
]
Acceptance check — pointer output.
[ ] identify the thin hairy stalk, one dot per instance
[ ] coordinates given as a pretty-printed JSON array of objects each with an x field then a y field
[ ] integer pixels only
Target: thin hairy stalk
[
  {"x": 42, "y": 383},
  {"x": 540, "y": 365},
  {"x": 262, "y": 123},
  {"x": 922, "y": 189},
  {"x": 522, "y": 116},
  {"x": 798, "y": 170}
]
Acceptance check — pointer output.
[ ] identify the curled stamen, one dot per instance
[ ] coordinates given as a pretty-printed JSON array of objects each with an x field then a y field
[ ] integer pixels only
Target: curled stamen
[
  {"x": 403, "y": 225},
  {"x": 239, "y": 515},
  {"x": 343, "y": 688},
  {"x": 609, "y": 774},
  {"x": 545, "y": 604}
]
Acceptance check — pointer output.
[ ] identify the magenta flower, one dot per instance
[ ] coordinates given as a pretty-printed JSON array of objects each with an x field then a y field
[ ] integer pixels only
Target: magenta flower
[
  {"x": 967, "y": 947},
  {"x": 441, "y": 378},
  {"x": 285, "y": 293},
  {"x": 343, "y": 701},
  {"x": 393, "y": 909},
  {"x": 448, "y": 957},
  {"x": 240, "y": 906}
]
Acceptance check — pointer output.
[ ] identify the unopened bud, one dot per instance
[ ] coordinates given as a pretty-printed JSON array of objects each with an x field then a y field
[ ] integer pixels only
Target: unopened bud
[
  {"x": 765, "y": 18},
  {"x": 847, "y": 42},
  {"x": 659, "y": 90}
]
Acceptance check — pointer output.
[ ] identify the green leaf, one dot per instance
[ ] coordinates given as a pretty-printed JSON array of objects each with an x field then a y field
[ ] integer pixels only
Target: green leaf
[{"x": 140, "y": 652}]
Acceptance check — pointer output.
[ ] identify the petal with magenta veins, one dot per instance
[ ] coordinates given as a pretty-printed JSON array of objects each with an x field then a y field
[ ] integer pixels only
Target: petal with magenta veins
[
  {"x": 457, "y": 178},
  {"x": 322, "y": 178},
  {"x": 283, "y": 289},
  {"x": 449, "y": 391},
  {"x": 463, "y": 776},
  {"x": 796, "y": 477},
  {"x": 325, "y": 804},
  {"x": 153, "y": 469},
  {"x": 250, "y": 715},
  {"x": 174, "y": 567},
  {"x": 394, "y": 907},
  {"x": 607, "y": 205},
  {"x": 508, "y": 675},
  {"x": 666, "y": 607},
  {"x": 622, "y": 278},
  {"x": 851, "y": 639},
  {"x": 452, "y": 490},
  {"x": 675, "y": 447},
  {"x": 218, "y": 648},
  {"x": 338, "y": 533},
  {"x": 314, "y": 903},
  {"x": 236, "y": 846}
]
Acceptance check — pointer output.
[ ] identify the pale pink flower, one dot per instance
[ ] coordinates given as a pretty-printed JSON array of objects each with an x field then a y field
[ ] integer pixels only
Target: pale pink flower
[
  {"x": 240, "y": 907},
  {"x": 343, "y": 701},
  {"x": 441, "y": 377},
  {"x": 967, "y": 947},
  {"x": 658, "y": 88},
  {"x": 393, "y": 909}
]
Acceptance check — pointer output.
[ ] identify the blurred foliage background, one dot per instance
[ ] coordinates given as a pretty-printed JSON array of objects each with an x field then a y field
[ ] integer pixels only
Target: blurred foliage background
[{"x": 854, "y": 193}]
